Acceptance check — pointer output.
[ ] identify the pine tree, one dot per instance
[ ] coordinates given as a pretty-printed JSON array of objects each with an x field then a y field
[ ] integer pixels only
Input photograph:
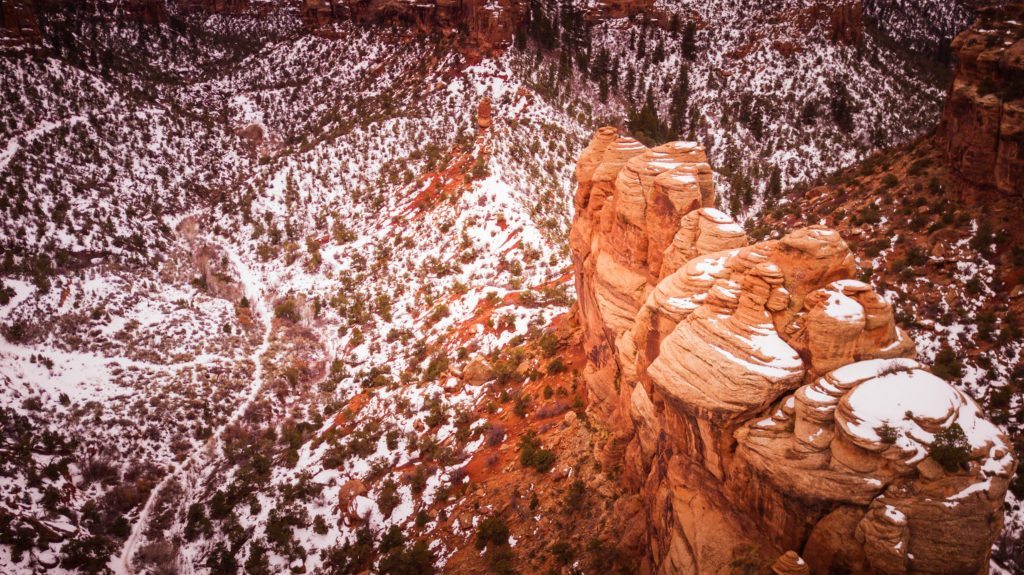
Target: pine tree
[
  {"x": 690, "y": 40},
  {"x": 842, "y": 107},
  {"x": 658, "y": 56},
  {"x": 680, "y": 100},
  {"x": 775, "y": 183},
  {"x": 645, "y": 124}
]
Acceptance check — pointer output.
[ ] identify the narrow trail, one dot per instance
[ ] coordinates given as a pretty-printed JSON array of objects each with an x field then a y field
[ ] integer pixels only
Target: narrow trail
[{"x": 188, "y": 470}]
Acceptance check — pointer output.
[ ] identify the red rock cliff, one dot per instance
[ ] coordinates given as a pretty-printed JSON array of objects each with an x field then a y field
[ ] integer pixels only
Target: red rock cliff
[
  {"x": 18, "y": 22},
  {"x": 757, "y": 399},
  {"x": 984, "y": 116},
  {"x": 484, "y": 25}
]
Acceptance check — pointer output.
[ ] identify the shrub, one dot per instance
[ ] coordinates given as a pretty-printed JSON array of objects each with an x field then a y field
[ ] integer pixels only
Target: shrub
[
  {"x": 747, "y": 560},
  {"x": 548, "y": 344},
  {"x": 416, "y": 559},
  {"x": 90, "y": 554},
  {"x": 576, "y": 495},
  {"x": 438, "y": 365},
  {"x": 563, "y": 552},
  {"x": 492, "y": 530},
  {"x": 197, "y": 524},
  {"x": 287, "y": 310},
  {"x": 917, "y": 256},
  {"x": 557, "y": 366},
  {"x": 887, "y": 434},
  {"x": 388, "y": 498},
  {"x": 501, "y": 560},
  {"x": 531, "y": 454},
  {"x": 950, "y": 448},
  {"x": 494, "y": 434},
  {"x": 870, "y": 215},
  {"x": 947, "y": 365}
]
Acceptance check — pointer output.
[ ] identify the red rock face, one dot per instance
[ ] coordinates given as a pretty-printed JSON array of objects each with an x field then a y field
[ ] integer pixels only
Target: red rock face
[
  {"x": 229, "y": 7},
  {"x": 484, "y": 25},
  {"x": 145, "y": 11},
  {"x": 984, "y": 116},
  {"x": 757, "y": 399},
  {"x": 18, "y": 22},
  {"x": 621, "y": 8},
  {"x": 847, "y": 23}
]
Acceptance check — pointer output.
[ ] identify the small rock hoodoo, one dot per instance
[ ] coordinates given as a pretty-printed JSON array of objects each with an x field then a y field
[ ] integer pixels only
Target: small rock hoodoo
[{"x": 761, "y": 404}]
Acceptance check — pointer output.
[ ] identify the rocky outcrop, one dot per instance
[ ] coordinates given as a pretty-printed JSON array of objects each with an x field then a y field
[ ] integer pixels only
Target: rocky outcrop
[
  {"x": 607, "y": 9},
  {"x": 480, "y": 26},
  {"x": 983, "y": 120},
  {"x": 758, "y": 400},
  {"x": 18, "y": 22},
  {"x": 483, "y": 114},
  {"x": 847, "y": 21},
  {"x": 145, "y": 11},
  {"x": 226, "y": 7}
]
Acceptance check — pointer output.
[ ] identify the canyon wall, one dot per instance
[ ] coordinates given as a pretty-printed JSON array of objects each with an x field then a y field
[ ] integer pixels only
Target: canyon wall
[
  {"x": 760, "y": 403},
  {"x": 18, "y": 22},
  {"x": 485, "y": 25},
  {"x": 983, "y": 119}
]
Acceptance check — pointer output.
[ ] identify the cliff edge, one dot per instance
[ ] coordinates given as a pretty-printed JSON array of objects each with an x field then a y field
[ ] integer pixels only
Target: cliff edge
[{"x": 760, "y": 400}]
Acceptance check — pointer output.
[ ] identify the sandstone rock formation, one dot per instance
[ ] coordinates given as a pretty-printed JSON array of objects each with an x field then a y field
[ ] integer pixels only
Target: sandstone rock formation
[
  {"x": 483, "y": 114},
  {"x": 18, "y": 22},
  {"x": 146, "y": 11},
  {"x": 228, "y": 7},
  {"x": 757, "y": 397},
  {"x": 482, "y": 25},
  {"x": 984, "y": 115},
  {"x": 620, "y": 8},
  {"x": 847, "y": 22}
]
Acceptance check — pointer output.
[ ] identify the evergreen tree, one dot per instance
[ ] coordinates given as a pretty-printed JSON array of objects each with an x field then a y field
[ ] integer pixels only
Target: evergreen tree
[
  {"x": 599, "y": 67},
  {"x": 775, "y": 183},
  {"x": 658, "y": 56},
  {"x": 645, "y": 124},
  {"x": 630, "y": 81},
  {"x": 674, "y": 24},
  {"x": 842, "y": 107},
  {"x": 690, "y": 40},
  {"x": 680, "y": 101}
]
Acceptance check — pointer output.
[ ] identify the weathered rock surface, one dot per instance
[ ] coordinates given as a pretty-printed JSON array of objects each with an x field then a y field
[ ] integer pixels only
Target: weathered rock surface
[
  {"x": 483, "y": 25},
  {"x": 227, "y": 7},
  {"x": 758, "y": 397},
  {"x": 847, "y": 22},
  {"x": 984, "y": 115},
  {"x": 18, "y": 22},
  {"x": 620, "y": 8},
  {"x": 145, "y": 11}
]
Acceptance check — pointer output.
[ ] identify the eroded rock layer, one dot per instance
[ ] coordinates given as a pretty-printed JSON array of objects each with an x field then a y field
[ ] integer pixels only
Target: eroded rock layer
[
  {"x": 18, "y": 22},
  {"x": 984, "y": 115},
  {"x": 758, "y": 399},
  {"x": 484, "y": 24}
]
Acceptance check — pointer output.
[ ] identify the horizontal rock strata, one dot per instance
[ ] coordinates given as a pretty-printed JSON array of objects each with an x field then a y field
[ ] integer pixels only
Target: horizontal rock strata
[{"x": 758, "y": 400}]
